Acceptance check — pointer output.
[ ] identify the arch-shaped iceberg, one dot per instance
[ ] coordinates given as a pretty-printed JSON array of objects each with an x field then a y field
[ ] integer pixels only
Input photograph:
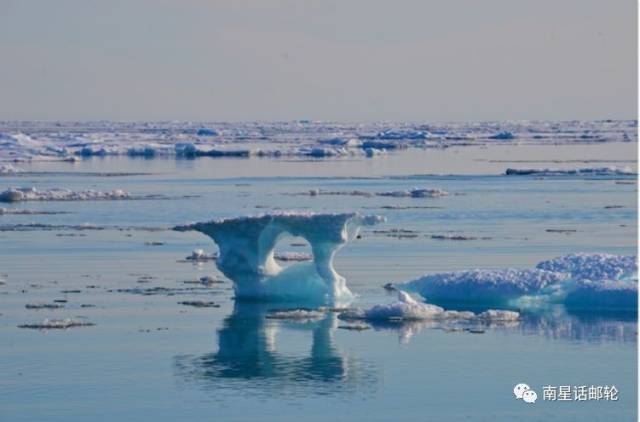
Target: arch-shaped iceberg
[{"x": 247, "y": 253}]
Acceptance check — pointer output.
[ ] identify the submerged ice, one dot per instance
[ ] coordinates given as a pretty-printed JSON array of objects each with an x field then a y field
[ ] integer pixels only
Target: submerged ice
[
  {"x": 247, "y": 253},
  {"x": 588, "y": 280}
]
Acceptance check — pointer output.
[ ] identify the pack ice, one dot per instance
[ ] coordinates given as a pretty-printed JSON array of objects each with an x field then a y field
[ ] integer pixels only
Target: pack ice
[{"x": 247, "y": 253}]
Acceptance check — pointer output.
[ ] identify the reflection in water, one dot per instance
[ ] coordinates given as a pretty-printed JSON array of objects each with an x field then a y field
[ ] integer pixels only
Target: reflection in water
[
  {"x": 554, "y": 322},
  {"x": 249, "y": 358},
  {"x": 558, "y": 323}
]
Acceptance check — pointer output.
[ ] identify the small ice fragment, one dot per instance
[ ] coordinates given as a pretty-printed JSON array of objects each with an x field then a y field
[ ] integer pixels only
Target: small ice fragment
[
  {"x": 57, "y": 324},
  {"x": 199, "y": 303},
  {"x": 296, "y": 314},
  {"x": 201, "y": 255},
  {"x": 207, "y": 280},
  {"x": 293, "y": 256},
  {"x": 499, "y": 315},
  {"x": 6, "y": 169},
  {"x": 43, "y": 306}
]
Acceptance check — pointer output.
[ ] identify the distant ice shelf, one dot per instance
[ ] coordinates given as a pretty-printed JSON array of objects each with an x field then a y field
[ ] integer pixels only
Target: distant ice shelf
[{"x": 247, "y": 253}]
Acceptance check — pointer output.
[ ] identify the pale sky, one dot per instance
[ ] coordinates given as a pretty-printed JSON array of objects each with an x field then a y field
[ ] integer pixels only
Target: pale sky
[{"x": 342, "y": 60}]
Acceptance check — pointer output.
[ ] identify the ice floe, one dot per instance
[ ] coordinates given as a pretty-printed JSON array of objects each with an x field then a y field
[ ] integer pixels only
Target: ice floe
[
  {"x": 577, "y": 280},
  {"x": 58, "y": 324},
  {"x": 199, "y": 255},
  {"x": 33, "y": 194},
  {"x": 293, "y": 256},
  {"x": 407, "y": 193},
  {"x": 587, "y": 171},
  {"x": 299, "y": 314},
  {"x": 199, "y": 303},
  {"x": 408, "y": 309},
  {"x": 70, "y": 141},
  {"x": 6, "y": 169},
  {"x": 247, "y": 252},
  {"x": 43, "y": 306},
  {"x": 14, "y": 211},
  {"x": 590, "y": 266}
]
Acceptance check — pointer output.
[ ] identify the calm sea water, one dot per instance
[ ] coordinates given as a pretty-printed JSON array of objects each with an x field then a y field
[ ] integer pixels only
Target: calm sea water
[{"x": 150, "y": 357}]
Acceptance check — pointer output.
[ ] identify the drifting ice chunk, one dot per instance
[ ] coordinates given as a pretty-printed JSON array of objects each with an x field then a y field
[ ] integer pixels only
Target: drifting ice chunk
[
  {"x": 247, "y": 253},
  {"x": 415, "y": 193},
  {"x": 57, "y": 324},
  {"x": 408, "y": 309},
  {"x": 293, "y": 256},
  {"x": 589, "y": 171},
  {"x": 577, "y": 280},
  {"x": 301, "y": 315},
  {"x": 201, "y": 255},
  {"x": 499, "y": 315},
  {"x": 9, "y": 169},
  {"x": 33, "y": 194},
  {"x": 482, "y": 286},
  {"x": 593, "y": 266}
]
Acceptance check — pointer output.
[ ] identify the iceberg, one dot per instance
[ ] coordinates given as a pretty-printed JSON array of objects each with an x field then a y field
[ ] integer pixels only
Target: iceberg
[
  {"x": 581, "y": 280},
  {"x": 247, "y": 253}
]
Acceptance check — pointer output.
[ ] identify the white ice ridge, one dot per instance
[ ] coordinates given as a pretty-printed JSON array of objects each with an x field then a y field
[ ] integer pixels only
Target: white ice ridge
[
  {"x": 247, "y": 253},
  {"x": 590, "y": 280}
]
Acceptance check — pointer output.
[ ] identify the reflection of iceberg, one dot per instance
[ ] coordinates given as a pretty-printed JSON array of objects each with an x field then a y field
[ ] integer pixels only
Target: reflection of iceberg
[
  {"x": 577, "y": 280},
  {"x": 558, "y": 322},
  {"x": 249, "y": 355},
  {"x": 554, "y": 321},
  {"x": 247, "y": 253}
]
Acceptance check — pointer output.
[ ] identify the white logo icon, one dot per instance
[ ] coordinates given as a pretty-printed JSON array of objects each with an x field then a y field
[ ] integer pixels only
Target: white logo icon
[
  {"x": 529, "y": 396},
  {"x": 525, "y": 393},
  {"x": 519, "y": 390}
]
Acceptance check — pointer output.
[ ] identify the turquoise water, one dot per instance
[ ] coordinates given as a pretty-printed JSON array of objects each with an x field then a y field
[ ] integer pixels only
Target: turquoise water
[{"x": 150, "y": 357}]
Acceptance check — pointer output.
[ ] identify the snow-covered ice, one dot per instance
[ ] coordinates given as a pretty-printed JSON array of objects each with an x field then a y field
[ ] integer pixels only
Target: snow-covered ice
[
  {"x": 293, "y": 256},
  {"x": 201, "y": 255},
  {"x": 57, "y": 324},
  {"x": 300, "y": 315},
  {"x": 590, "y": 266},
  {"x": 407, "y": 308},
  {"x": 6, "y": 169},
  {"x": 69, "y": 141},
  {"x": 33, "y": 194},
  {"x": 587, "y": 171},
  {"x": 579, "y": 280}
]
